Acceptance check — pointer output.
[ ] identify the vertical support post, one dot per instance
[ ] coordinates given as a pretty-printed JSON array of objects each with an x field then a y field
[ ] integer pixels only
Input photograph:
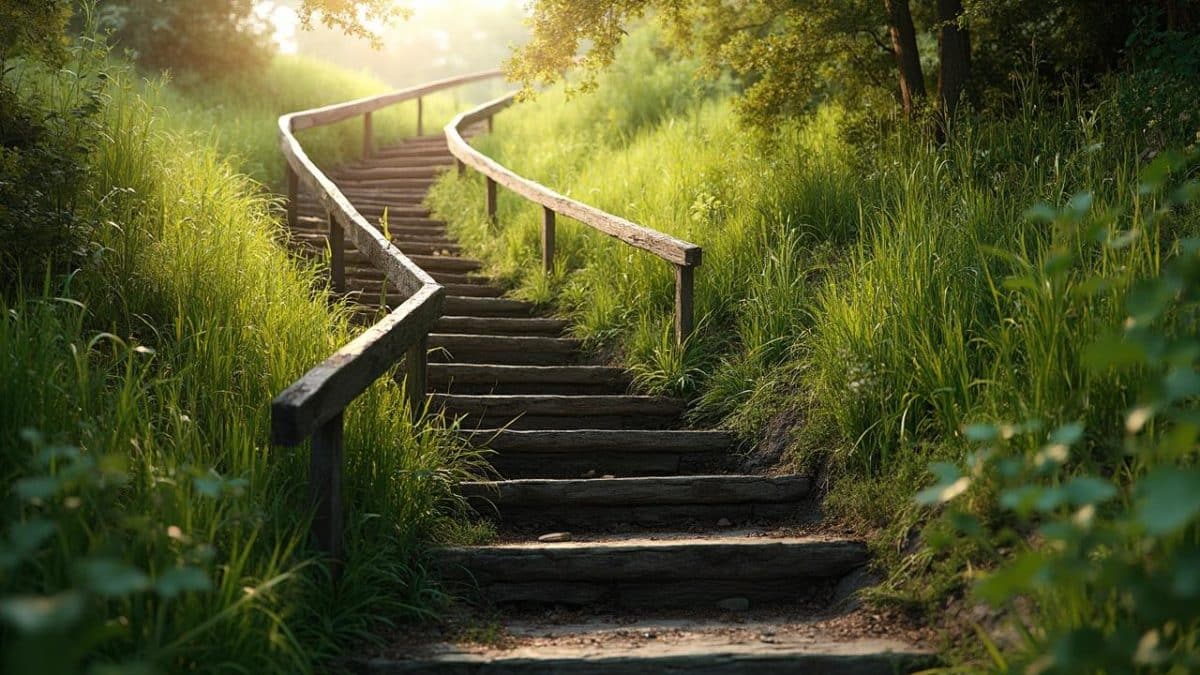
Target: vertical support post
[
  {"x": 491, "y": 124},
  {"x": 420, "y": 116},
  {"x": 462, "y": 168},
  {"x": 547, "y": 239},
  {"x": 684, "y": 298},
  {"x": 337, "y": 255},
  {"x": 491, "y": 200},
  {"x": 416, "y": 381},
  {"x": 325, "y": 487},
  {"x": 368, "y": 136},
  {"x": 293, "y": 194}
]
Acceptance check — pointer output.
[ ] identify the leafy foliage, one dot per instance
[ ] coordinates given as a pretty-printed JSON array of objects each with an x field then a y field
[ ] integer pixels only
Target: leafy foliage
[{"x": 1105, "y": 545}]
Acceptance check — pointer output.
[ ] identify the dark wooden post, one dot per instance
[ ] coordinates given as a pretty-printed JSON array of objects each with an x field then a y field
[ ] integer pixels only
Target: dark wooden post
[
  {"x": 368, "y": 136},
  {"x": 337, "y": 255},
  {"x": 548, "y": 239},
  {"x": 325, "y": 487},
  {"x": 420, "y": 117},
  {"x": 683, "y": 302},
  {"x": 491, "y": 124},
  {"x": 462, "y": 168},
  {"x": 416, "y": 381},
  {"x": 491, "y": 200},
  {"x": 293, "y": 194}
]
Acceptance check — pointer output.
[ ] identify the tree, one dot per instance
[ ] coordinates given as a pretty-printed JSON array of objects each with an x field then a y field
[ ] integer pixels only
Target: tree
[{"x": 790, "y": 54}]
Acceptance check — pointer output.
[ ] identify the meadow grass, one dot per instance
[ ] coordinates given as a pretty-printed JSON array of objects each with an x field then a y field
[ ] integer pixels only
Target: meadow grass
[
  {"x": 865, "y": 287},
  {"x": 149, "y": 521}
]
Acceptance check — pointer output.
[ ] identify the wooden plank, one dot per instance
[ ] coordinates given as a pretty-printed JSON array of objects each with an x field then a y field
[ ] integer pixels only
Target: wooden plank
[
  {"x": 325, "y": 487},
  {"x": 732, "y": 558},
  {"x": 599, "y": 440},
  {"x": 324, "y": 391},
  {"x": 684, "y": 298},
  {"x": 718, "y": 489},
  {"x": 664, "y": 246},
  {"x": 547, "y": 240}
]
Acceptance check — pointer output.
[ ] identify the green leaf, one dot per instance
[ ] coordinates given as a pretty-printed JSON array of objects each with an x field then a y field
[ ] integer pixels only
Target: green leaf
[
  {"x": 1147, "y": 300},
  {"x": 1083, "y": 490},
  {"x": 1169, "y": 499},
  {"x": 37, "y": 487},
  {"x": 182, "y": 579},
  {"x": 209, "y": 486},
  {"x": 1079, "y": 206},
  {"x": 112, "y": 578},
  {"x": 1113, "y": 351},
  {"x": 1067, "y": 434},
  {"x": 1012, "y": 579},
  {"x": 1041, "y": 213},
  {"x": 28, "y": 535},
  {"x": 981, "y": 433},
  {"x": 1181, "y": 384},
  {"x": 42, "y": 613}
]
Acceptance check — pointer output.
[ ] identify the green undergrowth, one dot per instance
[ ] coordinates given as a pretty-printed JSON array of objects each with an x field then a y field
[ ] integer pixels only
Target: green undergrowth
[
  {"x": 148, "y": 524},
  {"x": 866, "y": 293}
]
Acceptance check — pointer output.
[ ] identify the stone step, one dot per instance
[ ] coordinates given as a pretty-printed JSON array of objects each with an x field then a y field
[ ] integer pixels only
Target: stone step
[
  {"x": 598, "y": 452},
  {"x": 491, "y": 325},
  {"x": 470, "y": 378},
  {"x": 645, "y": 501},
  {"x": 503, "y": 349},
  {"x": 553, "y": 411},
  {"x": 698, "y": 572}
]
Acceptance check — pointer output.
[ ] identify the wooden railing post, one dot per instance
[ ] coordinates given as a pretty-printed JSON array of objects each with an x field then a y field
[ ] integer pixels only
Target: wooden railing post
[
  {"x": 462, "y": 168},
  {"x": 684, "y": 299},
  {"x": 368, "y": 136},
  {"x": 491, "y": 199},
  {"x": 420, "y": 117},
  {"x": 325, "y": 486},
  {"x": 491, "y": 123},
  {"x": 416, "y": 380},
  {"x": 337, "y": 256},
  {"x": 293, "y": 194},
  {"x": 548, "y": 239}
]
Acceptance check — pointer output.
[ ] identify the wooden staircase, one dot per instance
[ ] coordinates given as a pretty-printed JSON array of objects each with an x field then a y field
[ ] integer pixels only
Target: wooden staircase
[{"x": 608, "y": 507}]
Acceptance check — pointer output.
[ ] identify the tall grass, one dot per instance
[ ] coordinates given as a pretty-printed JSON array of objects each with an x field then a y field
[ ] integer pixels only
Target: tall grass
[
  {"x": 883, "y": 291},
  {"x": 149, "y": 522}
]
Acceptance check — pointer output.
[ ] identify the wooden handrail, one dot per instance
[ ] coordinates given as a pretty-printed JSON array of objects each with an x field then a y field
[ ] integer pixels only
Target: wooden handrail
[
  {"x": 685, "y": 256},
  {"x": 313, "y": 406}
]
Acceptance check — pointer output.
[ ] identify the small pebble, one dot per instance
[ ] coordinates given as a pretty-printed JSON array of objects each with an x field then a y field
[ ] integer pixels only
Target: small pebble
[
  {"x": 590, "y": 474},
  {"x": 608, "y": 475},
  {"x": 555, "y": 536},
  {"x": 724, "y": 522}
]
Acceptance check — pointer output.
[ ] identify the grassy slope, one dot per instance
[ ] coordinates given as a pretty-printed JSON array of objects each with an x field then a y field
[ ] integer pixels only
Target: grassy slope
[
  {"x": 177, "y": 525},
  {"x": 853, "y": 298}
]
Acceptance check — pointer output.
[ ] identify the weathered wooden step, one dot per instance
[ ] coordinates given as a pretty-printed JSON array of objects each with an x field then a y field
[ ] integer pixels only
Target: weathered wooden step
[
  {"x": 433, "y": 231},
  {"x": 430, "y": 263},
  {"x": 406, "y": 245},
  {"x": 599, "y": 452},
  {"x": 644, "y": 501},
  {"x": 458, "y": 306},
  {"x": 722, "y": 649},
  {"x": 469, "y": 378},
  {"x": 698, "y": 572},
  {"x": 389, "y": 183},
  {"x": 552, "y": 411},
  {"x": 476, "y": 325},
  {"x": 351, "y": 174},
  {"x": 503, "y": 349}
]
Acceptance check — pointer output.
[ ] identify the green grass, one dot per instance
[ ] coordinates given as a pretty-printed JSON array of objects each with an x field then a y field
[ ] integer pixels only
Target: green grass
[
  {"x": 874, "y": 295},
  {"x": 148, "y": 520}
]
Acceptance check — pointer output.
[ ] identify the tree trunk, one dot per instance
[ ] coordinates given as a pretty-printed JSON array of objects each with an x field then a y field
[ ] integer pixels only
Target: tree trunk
[
  {"x": 954, "y": 55},
  {"x": 904, "y": 48}
]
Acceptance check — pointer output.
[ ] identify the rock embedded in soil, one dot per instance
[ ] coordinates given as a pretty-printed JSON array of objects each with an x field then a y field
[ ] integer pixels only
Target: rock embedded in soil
[{"x": 552, "y": 537}]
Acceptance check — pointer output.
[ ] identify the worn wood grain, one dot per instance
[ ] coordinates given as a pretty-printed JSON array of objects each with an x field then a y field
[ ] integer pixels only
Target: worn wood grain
[{"x": 719, "y": 489}]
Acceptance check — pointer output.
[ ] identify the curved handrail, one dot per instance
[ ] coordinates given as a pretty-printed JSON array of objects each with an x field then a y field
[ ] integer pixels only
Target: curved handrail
[
  {"x": 314, "y": 404},
  {"x": 685, "y": 256}
]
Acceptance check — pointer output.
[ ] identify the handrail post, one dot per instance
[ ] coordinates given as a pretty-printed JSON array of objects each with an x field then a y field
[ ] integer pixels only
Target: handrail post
[
  {"x": 684, "y": 298},
  {"x": 325, "y": 487},
  {"x": 491, "y": 199},
  {"x": 462, "y": 167},
  {"x": 491, "y": 124},
  {"x": 548, "y": 239},
  {"x": 416, "y": 380},
  {"x": 293, "y": 194},
  {"x": 420, "y": 117},
  {"x": 368, "y": 136},
  {"x": 337, "y": 255}
]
